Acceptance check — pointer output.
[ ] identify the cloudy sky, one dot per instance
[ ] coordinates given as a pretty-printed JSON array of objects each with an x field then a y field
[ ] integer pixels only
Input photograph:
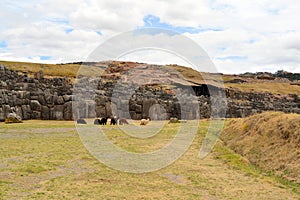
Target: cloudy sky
[{"x": 239, "y": 36}]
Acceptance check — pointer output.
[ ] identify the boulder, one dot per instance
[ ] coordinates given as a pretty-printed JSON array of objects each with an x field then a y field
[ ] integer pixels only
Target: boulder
[
  {"x": 35, "y": 105},
  {"x": 36, "y": 115},
  {"x": 100, "y": 111},
  {"x": 138, "y": 108},
  {"x": 45, "y": 114},
  {"x": 67, "y": 98},
  {"x": 57, "y": 112},
  {"x": 26, "y": 111},
  {"x": 2, "y": 118},
  {"x": 68, "y": 115},
  {"x": 13, "y": 118},
  {"x": 60, "y": 100}
]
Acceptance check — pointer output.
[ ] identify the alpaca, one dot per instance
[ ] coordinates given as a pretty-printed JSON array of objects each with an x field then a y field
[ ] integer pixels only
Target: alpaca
[
  {"x": 123, "y": 121},
  {"x": 144, "y": 121},
  {"x": 81, "y": 121},
  {"x": 174, "y": 120},
  {"x": 97, "y": 121},
  {"x": 113, "y": 121},
  {"x": 103, "y": 121}
]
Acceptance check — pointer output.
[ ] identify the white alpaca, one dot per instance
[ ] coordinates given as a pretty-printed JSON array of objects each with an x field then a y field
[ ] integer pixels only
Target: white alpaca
[
  {"x": 108, "y": 120},
  {"x": 144, "y": 121}
]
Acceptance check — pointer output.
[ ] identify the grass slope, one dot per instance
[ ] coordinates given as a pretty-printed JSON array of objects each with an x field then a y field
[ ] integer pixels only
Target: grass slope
[{"x": 270, "y": 140}]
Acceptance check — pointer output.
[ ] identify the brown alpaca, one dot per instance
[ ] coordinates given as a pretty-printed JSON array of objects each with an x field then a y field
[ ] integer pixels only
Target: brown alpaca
[{"x": 123, "y": 121}]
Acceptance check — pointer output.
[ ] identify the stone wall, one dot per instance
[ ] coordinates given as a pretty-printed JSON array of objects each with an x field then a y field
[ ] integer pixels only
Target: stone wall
[
  {"x": 243, "y": 104},
  {"x": 34, "y": 98},
  {"x": 51, "y": 99}
]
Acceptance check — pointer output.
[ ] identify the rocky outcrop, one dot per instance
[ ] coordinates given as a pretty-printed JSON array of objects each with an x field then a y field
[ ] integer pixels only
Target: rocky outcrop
[{"x": 51, "y": 99}]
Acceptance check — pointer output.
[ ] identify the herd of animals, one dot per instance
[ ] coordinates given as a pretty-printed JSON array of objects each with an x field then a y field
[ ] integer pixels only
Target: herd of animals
[
  {"x": 123, "y": 121},
  {"x": 112, "y": 121}
]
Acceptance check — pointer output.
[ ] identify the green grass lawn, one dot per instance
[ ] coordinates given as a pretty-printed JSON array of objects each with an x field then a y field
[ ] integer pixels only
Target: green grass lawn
[{"x": 47, "y": 160}]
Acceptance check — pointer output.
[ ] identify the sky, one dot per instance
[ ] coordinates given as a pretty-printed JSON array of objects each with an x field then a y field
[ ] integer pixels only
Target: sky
[{"x": 238, "y": 36}]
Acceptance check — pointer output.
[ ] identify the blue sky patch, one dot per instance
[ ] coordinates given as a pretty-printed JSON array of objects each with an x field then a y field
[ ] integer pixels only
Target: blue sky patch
[
  {"x": 234, "y": 58},
  {"x": 3, "y": 44},
  {"x": 45, "y": 57},
  {"x": 99, "y": 33},
  {"x": 222, "y": 48},
  {"x": 151, "y": 21},
  {"x": 58, "y": 21},
  {"x": 252, "y": 41},
  {"x": 69, "y": 30},
  {"x": 273, "y": 11}
]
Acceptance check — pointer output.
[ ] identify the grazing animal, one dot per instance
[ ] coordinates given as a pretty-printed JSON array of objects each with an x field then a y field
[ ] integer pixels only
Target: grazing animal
[
  {"x": 144, "y": 121},
  {"x": 173, "y": 120},
  {"x": 81, "y": 121},
  {"x": 113, "y": 121},
  {"x": 97, "y": 121},
  {"x": 103, "y": 121},
  {"x": 123, "y": 121},
  {"x": 108, "y": 121}
]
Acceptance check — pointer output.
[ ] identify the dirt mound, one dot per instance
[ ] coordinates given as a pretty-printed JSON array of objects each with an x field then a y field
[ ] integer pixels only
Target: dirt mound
[{"x": 270, "y": 140}]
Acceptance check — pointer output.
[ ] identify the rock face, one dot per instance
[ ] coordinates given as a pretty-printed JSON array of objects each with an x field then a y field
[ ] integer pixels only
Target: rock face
[
  {"x": 34, "y": 98},
  {"x": 51, "y": 99},
  {"x": 243, "y": 104}
]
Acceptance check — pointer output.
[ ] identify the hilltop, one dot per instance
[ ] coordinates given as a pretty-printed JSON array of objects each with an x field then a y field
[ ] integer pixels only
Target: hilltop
[{"x": 279, "y": 83}]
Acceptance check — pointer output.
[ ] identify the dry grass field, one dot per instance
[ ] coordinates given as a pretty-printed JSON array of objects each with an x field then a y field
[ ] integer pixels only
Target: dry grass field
[{"x": 47, "y": 160}]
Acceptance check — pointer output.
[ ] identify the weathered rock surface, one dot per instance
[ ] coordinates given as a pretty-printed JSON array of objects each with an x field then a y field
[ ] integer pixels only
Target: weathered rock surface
[
  {"x": 51, "y": 99},
  {"x": 34, "y": 98}
]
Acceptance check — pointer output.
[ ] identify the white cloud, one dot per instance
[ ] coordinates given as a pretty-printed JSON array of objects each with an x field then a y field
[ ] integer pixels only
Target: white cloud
[{"x": 264, "y": 32}]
